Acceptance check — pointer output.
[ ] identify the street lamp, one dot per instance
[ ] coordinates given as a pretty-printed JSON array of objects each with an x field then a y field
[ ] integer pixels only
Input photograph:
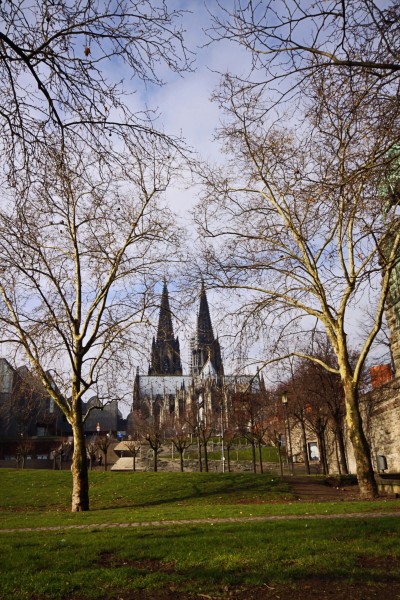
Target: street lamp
[{"x": 285, "y": 408}]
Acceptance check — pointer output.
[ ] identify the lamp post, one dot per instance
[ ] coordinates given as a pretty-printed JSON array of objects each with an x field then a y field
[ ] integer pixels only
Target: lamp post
[
  {"x": 285, "y": 408},
  {"x": 278, "y": 437}
]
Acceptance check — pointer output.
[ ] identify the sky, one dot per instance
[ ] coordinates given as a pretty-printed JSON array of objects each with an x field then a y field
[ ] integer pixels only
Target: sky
[{"x": 185, "y": 101}]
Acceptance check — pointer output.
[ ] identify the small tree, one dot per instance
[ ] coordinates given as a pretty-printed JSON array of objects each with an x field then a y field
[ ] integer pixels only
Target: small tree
[
  {"x": 248, "y": 416},
  {"x": 229, "y": 437},
  {"x": 134, "y": 447},
  {"x": 91, "y": 449},
  {"x": 103, "y": 442},
  {"x": 191, "y": 419},
  {"x": 23, "y": 450},
  {"x": 153, "y": 437},
  {"x": 180, "y": 437},
  {"x": 205, "y": 430},
  {"x": 58, "y": 452}
]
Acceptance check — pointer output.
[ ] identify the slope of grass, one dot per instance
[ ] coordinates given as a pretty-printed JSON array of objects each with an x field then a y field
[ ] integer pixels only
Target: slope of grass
[{"x": 30, "y": 498}]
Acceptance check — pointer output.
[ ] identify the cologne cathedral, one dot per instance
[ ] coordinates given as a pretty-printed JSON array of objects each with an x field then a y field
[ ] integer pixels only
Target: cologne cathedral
[{"x": 165, "y": 393}]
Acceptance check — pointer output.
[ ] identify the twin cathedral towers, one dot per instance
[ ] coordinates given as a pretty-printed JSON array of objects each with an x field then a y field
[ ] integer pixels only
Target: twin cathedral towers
[
  {"x": 165, "y": 391},
  {"x": 204, "y": 347}
]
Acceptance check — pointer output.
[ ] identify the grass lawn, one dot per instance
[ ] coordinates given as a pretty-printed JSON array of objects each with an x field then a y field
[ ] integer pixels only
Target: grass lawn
[{"x": 195, "y": 560}]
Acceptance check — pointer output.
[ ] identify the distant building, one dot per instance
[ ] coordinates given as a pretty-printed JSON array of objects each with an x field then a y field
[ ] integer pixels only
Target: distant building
[
  {"x": 106, "y": 419},
  {"x": 25, "y": 406}
]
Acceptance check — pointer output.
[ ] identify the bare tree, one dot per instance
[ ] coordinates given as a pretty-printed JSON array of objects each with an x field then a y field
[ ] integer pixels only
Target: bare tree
[
  {"x": 180, "y": 436},
  {"x": 205, "y": 429},
  {"x": 59, "y": 451},
  {"x": 23, "y": 449},
  {"x": 91, "y": 449},
  {"x": 303, "y": 221},
  {"x": 103, "y": 442},
  {"x": 248, "y": 419},
  {"x": 154, "y": 438},
  {"x": 134, "y": 447},
  {"x": 293, "y": 40},
  {"x": 66, "y": 70},
  {"x": 79, "y": 260},
  {"x": 230, "y": 438}
]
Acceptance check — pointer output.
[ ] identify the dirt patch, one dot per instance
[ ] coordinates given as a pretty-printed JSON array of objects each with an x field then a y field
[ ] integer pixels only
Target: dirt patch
[
  {"x": 315, "y": 589},
  {"x": 320, "y": 490},
  {"x": 110, "y": 559},
  {"x": 383, "y": 563}
]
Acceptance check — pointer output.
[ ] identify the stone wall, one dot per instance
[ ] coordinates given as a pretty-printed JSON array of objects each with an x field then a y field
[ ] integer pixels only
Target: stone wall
[
  {"x": 393, "y": 317},
  {"x": 382, "y": 423}
]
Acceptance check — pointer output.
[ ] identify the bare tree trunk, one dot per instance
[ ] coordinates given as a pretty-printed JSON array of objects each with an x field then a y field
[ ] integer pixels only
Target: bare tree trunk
[
  {"x": 155, "y": 456},
  {"x": 253, "y": 453},
  {"x": 280, "y": 457},
  {"x": 305, "y": 453},
  {"x": 362, "y": 453},
  {"x": 323, "y": 442},
  {"x": 199, "y": 454},
  {"x": 228, "y": 457},
  {"x": 342, "y": 450},
  {"x": 260, "y": 457},
  {"x": 322, "y": 450},
  {"x": 181, "y": 459},
  {"x": 337, "y": 454},
  {"x": 79, "y": 469},
  {"x": 205, "y": 456}
]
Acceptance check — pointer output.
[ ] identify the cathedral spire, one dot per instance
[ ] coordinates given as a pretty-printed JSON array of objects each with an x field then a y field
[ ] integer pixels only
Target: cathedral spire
[
  {"x": 204, "y": 347},
  {"x": 205, "y": 333},
  {"x": 165, "y": 330},
  {"x": 165, "y": 351}
]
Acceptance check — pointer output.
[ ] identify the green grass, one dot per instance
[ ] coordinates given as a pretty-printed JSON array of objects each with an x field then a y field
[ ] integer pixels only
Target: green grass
[
  {"x": 30, "y": 498},
  {"x": 40, "y": 498},
  {"x": 195, "y": 558}
]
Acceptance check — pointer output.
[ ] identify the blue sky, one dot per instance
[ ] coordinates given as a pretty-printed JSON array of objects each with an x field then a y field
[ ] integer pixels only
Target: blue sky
[{"x": 184, "y": 102}]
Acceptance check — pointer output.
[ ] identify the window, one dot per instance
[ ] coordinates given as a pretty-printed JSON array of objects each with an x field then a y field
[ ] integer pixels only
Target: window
[{"x": 313, "y": 450}]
